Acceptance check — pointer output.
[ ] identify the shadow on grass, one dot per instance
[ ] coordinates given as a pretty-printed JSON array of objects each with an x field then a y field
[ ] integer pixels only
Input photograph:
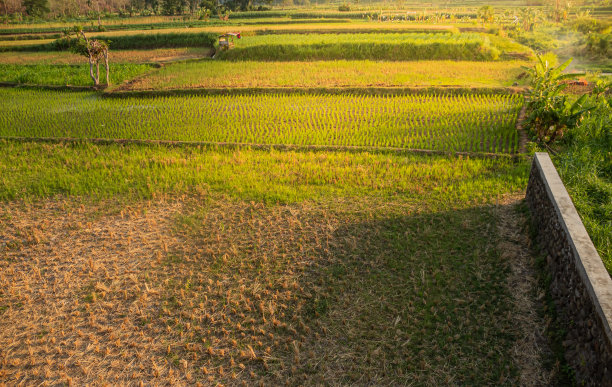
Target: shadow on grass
[
  {"x": 419, "y": 298},
  {"x": 364, "y": 293}
]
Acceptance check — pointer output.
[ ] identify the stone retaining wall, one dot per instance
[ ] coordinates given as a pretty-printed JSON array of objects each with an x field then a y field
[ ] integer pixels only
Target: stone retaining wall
[{"x": 581, "y": 285}]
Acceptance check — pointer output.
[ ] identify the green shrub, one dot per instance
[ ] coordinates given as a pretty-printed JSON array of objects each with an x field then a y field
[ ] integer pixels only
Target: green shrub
[
  {"x": 598, "y": 44},
  {"x": 586, "y": 25}
]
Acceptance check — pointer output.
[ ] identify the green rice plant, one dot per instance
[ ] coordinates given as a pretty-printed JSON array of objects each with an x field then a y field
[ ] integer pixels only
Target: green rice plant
[
  {"x": 35, "y": 32},
  {"x": 392, "y": 46},
  {"x": 320, "y": 120},
  {"x": 124, "y": 42},
  {"x": 32, "y": 169}
]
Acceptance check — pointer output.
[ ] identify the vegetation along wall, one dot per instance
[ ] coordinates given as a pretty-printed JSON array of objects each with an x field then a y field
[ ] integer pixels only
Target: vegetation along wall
[{"x": 581, "y": 286}]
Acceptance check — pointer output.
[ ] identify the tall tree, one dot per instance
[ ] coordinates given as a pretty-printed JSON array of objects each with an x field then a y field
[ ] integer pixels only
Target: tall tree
[
  {"x": 9, "y": 7},
  {"x": 36, "y": 8},
  {"x": 193, "y": 5},
  {"x": 486, "y": 14},
  {"x": 173, "y": 7}
]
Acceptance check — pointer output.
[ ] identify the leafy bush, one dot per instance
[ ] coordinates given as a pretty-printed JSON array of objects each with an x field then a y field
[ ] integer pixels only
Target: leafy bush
[
  {"x": 598, "y": 44},
  {"x": 586, "y": 25},
  {"x": 537, "y": 40},
  {"x": 344, "y": 8}
]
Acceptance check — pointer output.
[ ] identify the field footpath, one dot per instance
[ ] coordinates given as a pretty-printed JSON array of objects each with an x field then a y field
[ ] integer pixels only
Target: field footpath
[
  {"x": 278, "y": 147},
  {"x": 443, "y": 90}
]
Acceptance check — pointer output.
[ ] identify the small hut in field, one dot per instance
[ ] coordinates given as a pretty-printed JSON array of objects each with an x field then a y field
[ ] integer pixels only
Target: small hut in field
[{"x": 226, "y": 41}]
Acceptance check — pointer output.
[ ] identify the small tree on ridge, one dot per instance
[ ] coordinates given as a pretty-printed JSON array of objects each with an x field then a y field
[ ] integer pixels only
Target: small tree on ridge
[{"x": 94, "y": 50}]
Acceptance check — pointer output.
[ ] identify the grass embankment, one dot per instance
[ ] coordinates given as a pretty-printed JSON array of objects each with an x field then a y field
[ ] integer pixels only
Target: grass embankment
[
  {"x": 66, "y": 75},
  {"x": 395, "y": 47},
  {"x": 249, "y": 74},
  {"x": 476, "y": 123},
  {"x": 585, "y": 166},
  {"x": 378, "y": 269}
]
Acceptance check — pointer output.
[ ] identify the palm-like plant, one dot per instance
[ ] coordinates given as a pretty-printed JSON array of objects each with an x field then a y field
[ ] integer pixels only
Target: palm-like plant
[
  {"x": 529, "y": 18},
  {"x": 550, "y": 114}
]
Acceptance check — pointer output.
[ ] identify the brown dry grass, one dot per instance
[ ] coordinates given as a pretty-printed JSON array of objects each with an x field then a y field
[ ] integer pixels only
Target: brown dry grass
[
  {"x": 220, "y": 291},
  {"x": 160, "y": 55},
  {"x": 75, "y": 291},
  {"x": 97, "y": 296},
  {"x": 531, "y": 347}
]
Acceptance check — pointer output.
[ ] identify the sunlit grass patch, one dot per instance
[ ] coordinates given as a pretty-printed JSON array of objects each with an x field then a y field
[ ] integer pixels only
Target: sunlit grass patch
[
  {"x": 245, "y": 74},
  {"x": 29, "y": 170}
]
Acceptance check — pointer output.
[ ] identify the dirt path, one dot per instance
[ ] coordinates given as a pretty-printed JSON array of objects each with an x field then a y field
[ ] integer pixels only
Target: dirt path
[{"x": 532, "y": 346}]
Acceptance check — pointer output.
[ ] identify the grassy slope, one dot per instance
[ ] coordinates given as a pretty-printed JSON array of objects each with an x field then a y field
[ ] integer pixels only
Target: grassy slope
[
  {"x": 470, "y": 123},
  {"x": 585, "y": 165},
  {"x": 215, "y": 74}
]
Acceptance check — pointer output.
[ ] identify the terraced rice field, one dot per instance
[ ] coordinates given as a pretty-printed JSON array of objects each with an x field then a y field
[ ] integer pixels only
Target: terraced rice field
[
  {"x": 392, "y": 46},
  {"x": 335, "y": 257},
  {"x": 470, "y": 123},
  {"x": 323, "y": 74},
  {"x": 119, "y": 56}
]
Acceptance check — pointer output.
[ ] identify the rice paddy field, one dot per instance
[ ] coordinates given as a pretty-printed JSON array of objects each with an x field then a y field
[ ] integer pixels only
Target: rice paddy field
[
  {"x": 339, "y": 73},
  {"x": 33, "y": 42},
  {"x": 194, "y": 226},
  {"x": 262, "y": 26},
  {"x": 186, "y": 265},
  {"x": 395, "y": 47},
  {"x": 469, "y": 123},
  {"x": 159, "y": 55}
]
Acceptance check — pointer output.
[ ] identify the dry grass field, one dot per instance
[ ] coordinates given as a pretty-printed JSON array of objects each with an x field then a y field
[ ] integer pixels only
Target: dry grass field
[
  {"x": 159, "y": 55},
  {"x": 212, "y": 290}
]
